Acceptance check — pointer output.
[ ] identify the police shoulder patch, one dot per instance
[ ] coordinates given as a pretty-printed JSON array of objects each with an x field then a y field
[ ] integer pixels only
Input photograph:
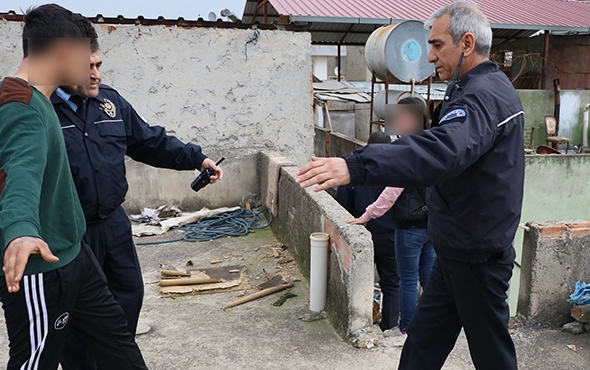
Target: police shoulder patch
[{"x": 455, "y": 113}]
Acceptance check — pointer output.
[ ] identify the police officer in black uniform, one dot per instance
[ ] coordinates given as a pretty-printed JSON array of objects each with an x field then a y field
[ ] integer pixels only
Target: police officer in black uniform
[
  {"x": 100, "y": 128},
  {"x": 473, "y": 160}
]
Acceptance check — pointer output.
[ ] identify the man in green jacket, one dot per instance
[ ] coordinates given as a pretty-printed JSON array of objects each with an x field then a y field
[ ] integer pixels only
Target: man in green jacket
[{"x": 52, "y": 283}]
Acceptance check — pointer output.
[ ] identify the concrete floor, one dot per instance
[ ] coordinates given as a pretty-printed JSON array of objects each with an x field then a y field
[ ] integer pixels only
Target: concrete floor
[{"x": 195, "y": 333}]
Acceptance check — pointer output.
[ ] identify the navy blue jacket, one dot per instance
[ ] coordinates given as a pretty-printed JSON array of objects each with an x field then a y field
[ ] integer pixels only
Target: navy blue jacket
[
  {"x": 97, "y": 147},
  {"x": 473, "y": 160},
  {"x": 356, "y": 199}
]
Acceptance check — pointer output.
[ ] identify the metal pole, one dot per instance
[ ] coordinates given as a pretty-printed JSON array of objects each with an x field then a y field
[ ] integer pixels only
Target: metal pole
[
  {"x": 339, "y": 62},
  {"x": 266, "y": 12},
  {"x": 372, "y": 100},
  {"x": 545, "y": 61},
  {"x": 557, "y": 108}
]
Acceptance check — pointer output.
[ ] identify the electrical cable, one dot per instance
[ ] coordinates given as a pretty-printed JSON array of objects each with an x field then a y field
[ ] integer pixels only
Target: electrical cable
[{"x": 237, "y": 223}]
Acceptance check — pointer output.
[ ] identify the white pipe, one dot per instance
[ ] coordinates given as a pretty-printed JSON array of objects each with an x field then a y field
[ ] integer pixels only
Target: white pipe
[
  {"x": 585, "y": 131},
  {"x": 318, "y": 280}
]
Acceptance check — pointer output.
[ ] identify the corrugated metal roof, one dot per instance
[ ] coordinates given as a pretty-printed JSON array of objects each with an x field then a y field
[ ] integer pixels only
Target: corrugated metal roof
[
  {"x": 506, "y": 14},
  {"x": 180, "y": 22}
]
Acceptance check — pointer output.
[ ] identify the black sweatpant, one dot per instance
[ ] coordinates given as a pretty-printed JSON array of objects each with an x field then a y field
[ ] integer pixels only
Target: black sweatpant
[
  {"x": 472, "y": 296},
  {"x": 388, "y": 279},
  {"x": 111, "y": 242},
  {"x": 76, "y": 299}
]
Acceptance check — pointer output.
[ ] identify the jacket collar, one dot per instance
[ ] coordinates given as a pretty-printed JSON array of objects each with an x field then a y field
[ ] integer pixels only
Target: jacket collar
[
  {"x": 481, "y": 69},
  {"x": 94, "y": 108},
  {"x": 60, "y": 105}
]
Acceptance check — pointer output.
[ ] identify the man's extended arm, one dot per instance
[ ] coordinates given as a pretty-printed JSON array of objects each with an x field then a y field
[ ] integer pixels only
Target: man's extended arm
[
  {"x": 23, "y": 156},
  {"x": 412, "y": 161},
  {"x": 422, "y": 160}
]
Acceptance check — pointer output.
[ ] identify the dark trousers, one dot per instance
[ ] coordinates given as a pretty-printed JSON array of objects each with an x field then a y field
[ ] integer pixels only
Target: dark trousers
[
  {"x": 73, "y": 299},
  {"x": 388, "y": 279},
  {"x": 112, "y": 243},
  {"x": 472, "y": 296}
]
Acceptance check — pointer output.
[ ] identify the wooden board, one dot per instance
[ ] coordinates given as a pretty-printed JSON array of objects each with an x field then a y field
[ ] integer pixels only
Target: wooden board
[{"x": 228, "y": 281}]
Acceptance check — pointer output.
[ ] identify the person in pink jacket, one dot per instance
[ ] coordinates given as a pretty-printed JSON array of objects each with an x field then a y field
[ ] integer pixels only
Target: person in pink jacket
[{"x": 414, "y": 251}]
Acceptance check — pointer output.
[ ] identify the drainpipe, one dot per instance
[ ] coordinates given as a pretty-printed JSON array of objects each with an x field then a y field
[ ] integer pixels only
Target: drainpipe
[
  {"x": 318, "y": 280},
  {"x": 585, "y": 131}
]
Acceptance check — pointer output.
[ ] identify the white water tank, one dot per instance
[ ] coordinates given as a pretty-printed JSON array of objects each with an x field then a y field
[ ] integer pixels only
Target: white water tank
[{"x": 400, "y": 49}]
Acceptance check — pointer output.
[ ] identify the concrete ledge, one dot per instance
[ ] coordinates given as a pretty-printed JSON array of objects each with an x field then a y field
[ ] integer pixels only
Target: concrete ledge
[
  {"x": 301, "y": 212},
  {"x": 555, "y": 256}
]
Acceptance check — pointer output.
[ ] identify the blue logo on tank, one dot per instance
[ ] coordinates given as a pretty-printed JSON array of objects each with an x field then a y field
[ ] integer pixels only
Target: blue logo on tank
[{"x": 411, "y": 50}]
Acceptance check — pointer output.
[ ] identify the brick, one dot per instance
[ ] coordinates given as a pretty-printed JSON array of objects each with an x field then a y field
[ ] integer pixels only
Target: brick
[
  {"x": 551, "y": 231},
  {"x": 344, "y": 249},
  {"x": 580, "y": 229}
]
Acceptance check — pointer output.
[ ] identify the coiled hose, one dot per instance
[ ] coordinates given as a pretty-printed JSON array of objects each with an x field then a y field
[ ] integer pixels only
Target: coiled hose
[{"x": 237, "y": 223}]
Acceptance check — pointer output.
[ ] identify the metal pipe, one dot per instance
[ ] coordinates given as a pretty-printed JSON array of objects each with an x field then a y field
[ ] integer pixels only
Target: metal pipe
[
  {"x": 545, "y": 60},
  {"x": 525, "y": 227},
  {"x": 265, "y": 11},
  {"x": 373, "y": 80},
  {"x": 339, "y": 62},
  {"x": 585, "y": 130},
  {"x": 557, "y": 108}
]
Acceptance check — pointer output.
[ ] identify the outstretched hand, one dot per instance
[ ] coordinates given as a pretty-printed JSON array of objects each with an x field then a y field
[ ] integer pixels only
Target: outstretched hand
[
  {"x": 328, "y": 172},
  {"x": 357, "y": 221},
  {"x": 16, "y": 256},
  {"x": 208, "y": 163}
]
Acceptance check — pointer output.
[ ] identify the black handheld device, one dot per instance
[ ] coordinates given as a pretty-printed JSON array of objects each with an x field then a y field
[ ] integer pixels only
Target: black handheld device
[
  {"x": 452, "y": 88},
  {"x": 204, "y": 178}
]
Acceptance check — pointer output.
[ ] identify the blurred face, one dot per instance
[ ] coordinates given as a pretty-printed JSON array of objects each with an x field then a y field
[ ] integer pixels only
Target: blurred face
[
  {"x": 443, "y": 53},
  {"x": 405, "y": 119},
  {"x": 89, "y": 90},
  {"x": 73, "y": 69},
  {"x": 62, "y": 64}
]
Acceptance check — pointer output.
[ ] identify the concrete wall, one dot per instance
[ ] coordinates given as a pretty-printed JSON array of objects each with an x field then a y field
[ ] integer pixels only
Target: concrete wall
[
  {"x": 342, "y": 116},
  {"x": 555, "y": 256},
  {"x": 202, "y": 85},
  {"x": 555, "y": 188},
  {"x": 301, "y": 212},
  {"x": 538, "y": 103},
  {"x": 321, "y": 143},
  {"x": 341, "y": 145},
  {"x": 362, "y": 116},
  {"x": 335, "y": 145}
]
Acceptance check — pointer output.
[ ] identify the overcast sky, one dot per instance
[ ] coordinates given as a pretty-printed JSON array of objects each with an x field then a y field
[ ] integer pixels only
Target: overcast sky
[{"x": 188, "y": 9}]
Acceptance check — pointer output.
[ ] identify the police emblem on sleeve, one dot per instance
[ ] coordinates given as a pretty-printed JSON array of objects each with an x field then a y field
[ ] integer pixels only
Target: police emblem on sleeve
[
  {"x": 109, "y": 108},
  {"x": 456, "y": 113}
]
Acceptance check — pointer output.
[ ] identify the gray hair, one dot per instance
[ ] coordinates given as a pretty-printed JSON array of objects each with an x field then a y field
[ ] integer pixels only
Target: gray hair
[{"x": 466, "y": 17}]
